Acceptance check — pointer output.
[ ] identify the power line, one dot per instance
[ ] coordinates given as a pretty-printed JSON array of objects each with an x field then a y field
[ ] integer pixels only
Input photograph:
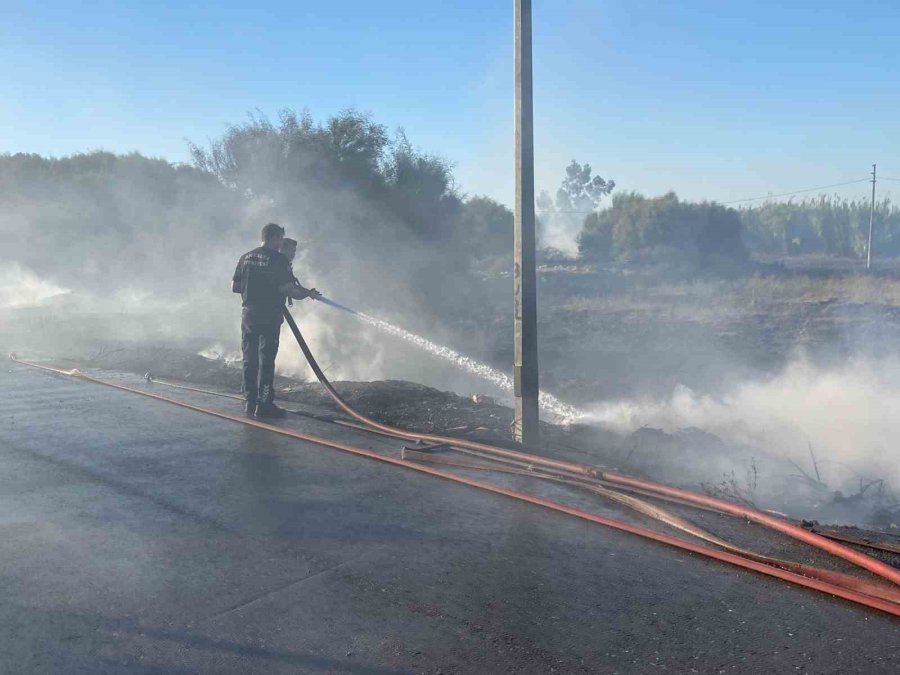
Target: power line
[
  {"x": 796, "y": 192},
  {"x": 552, "y": 210},
  {"x": 886, "y": 178},
  {"x": 755, "y": 199}
]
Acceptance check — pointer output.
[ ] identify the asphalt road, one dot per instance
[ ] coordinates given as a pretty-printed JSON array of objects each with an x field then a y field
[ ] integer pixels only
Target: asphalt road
[{"x": 140, "y": 537}]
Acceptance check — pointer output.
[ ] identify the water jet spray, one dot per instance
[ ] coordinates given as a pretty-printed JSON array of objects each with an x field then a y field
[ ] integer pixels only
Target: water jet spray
[{"x": 565, "y": 413}]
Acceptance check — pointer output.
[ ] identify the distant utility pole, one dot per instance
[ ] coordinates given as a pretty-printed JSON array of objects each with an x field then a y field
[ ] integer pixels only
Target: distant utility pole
[
  {"x": 525, "y": 371},
  {"x": 871, "y": 223}
]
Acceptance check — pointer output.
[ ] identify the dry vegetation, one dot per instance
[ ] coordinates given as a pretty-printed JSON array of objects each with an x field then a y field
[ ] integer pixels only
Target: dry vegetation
[{"x": 722, "y": 298}]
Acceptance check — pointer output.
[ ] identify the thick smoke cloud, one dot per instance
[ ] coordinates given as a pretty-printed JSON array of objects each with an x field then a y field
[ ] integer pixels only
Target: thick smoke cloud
[
  {"x": 838, "y": 423},
  {"x": 22, "y": 288},
  {"x": 146, "y": 249},
  {"x": 100, "y": 249}
]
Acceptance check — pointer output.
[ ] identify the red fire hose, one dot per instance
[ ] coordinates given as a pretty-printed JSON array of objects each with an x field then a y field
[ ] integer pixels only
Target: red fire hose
[
  {"x": 860, "y": 559},
  {"x": 739, "y": 561}
]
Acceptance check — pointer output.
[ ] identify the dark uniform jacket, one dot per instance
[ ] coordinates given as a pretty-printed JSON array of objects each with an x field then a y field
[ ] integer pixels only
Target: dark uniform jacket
[{"x": 259, "y": 275}]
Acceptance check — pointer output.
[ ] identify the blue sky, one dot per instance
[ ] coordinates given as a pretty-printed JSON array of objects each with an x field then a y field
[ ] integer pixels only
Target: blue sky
[{"x": 717, "y": 100}]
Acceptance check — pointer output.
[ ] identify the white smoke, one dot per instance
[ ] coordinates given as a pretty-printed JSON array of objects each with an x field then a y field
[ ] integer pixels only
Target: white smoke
[
  {"x": 560, "y": 231},
  {"x": 849, "y": 415},
  {"x": 219, "y": 352},
  {"x": 336, "y": 341},
  {"x": 20, "y": 288}
]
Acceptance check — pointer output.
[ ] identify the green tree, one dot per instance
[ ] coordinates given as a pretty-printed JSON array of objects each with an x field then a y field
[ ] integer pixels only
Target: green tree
[
  {"x": 385, "y": 216},
  {"x": 487, "y": 228},
  {"x": 580, "y": 190},
  {"x": 579, "y": 194},
  {"x": 824, "y": 224},
  {"x": 422, "y": 192},
  {"x": 636, "y": 226}
]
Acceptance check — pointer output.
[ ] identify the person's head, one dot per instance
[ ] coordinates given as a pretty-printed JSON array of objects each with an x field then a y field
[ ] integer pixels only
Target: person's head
[
  {"x": 289, "y": 248},
  {"x": 272, "y": 235}
]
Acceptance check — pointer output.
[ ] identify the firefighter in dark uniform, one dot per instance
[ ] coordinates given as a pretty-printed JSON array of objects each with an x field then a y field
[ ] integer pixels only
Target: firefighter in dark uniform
[
  {"x": 264, "y": 279},
  {"x": 289, "y": 250}
]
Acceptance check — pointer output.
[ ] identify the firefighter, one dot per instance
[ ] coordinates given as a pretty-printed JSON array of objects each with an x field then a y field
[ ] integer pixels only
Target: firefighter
[
  {"x": 289, "y": 250},
  {"x": 264, "y": 279}
]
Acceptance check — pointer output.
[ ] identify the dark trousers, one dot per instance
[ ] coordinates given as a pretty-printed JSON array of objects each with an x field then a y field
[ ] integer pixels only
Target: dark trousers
[{"x": 259, "y": 344}]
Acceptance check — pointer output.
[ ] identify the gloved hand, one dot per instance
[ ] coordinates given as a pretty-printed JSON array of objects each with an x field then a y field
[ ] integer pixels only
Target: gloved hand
[{"x": 314, "y": 294}]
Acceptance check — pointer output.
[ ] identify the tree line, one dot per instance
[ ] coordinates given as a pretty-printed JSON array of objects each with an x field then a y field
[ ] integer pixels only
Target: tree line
[
  {"x": 634, "y": 226},
  {"x": 826, "y": 225},
  {"x": 370, "y": 205},
  {"x": 381, "y": 221}
]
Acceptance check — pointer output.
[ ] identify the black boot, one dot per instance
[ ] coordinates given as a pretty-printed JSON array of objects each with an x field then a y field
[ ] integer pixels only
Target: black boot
[
  {"x": 269, "y": 411},
  {"x": 250, "y": 407}
]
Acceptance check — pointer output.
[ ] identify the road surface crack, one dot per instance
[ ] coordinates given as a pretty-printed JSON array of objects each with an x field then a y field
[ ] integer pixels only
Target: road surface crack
[{"x": 274, "y": 591}]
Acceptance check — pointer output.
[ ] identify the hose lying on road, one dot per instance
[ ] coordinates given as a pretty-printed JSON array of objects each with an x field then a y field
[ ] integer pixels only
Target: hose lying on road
[
  {"x": 640, "y": 506},
  {"x": 860, "y": 559},
  {"x": 724, "y": 556},
  {"x": 673, "y": 520},
  {"x": 828, "y": 534}
]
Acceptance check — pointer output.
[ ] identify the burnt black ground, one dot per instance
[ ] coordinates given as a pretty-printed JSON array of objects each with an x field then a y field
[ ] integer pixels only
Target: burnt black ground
[{"x": 140, "y": 537}]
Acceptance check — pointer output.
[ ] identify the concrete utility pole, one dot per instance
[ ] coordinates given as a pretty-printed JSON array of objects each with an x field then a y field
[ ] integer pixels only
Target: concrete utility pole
[
  {"x": 871, "y": 223},
  {"x": 525, "y": 374}
]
